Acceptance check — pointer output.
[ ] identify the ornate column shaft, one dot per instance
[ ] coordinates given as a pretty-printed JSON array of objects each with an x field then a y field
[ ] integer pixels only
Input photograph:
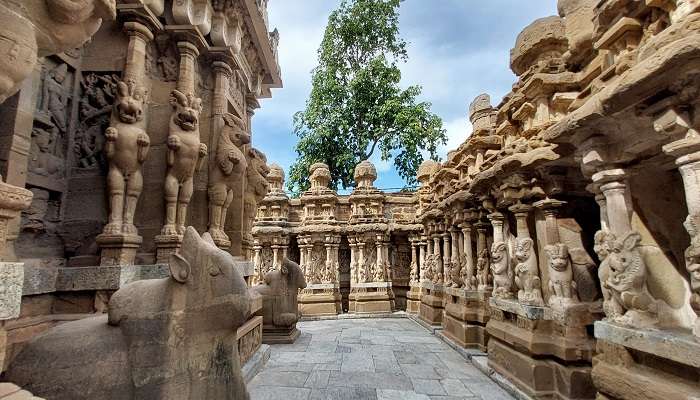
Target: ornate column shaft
[
  {"x": 438, "y": 258},
  {"x": 527, "y": 272},
  {"x": 618, "y": 204},
  {"x": 468, "y": 275}
]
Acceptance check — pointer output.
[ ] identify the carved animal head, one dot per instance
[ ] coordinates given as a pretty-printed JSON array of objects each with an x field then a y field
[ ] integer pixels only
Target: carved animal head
[
  {"x": 186, "y": 110},
  {"x": 558, "y": 256},
  {"x": 603, "y": 243},
  {"x": 256, "y": 174},
  {"x": 523, "y": 249},
  {"x": 625, "y": 256},
  {"x": 129, "y": 103},
  {"x": 498, "y": 252},
  {"x": 235, "y": 129},
  {"x": 292, "y": 269},
  {"x": 213, "y": 286},
  {"x": 483, "y": 260}
]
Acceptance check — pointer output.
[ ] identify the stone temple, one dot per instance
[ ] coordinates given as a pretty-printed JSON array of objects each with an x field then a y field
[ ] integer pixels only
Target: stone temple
[{"x": 149, "y": 251}]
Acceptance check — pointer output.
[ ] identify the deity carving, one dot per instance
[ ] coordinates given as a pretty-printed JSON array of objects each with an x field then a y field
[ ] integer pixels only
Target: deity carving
[
  {"x": 99, "y": 93},
  {"x": 623, "y": 276},
  {"x": 257, "y": 185},
  {"x": 429, "y": 270},
  {"x": 55, "y": 97},
  {"x": 466, "y": 274},
  {"x": 43, "y": 158},
  {"x": 483, "y": 267},
  {"x": 185, "y": 156},
  {"x": 228, "y": 169},
  {"x": 502, "y": 273},
  {"x": 456, "y": 271},
  {"x": 692, "y": 261},
  {"x": 527, "y": 277},
  {"x": 126, "y": 148}
]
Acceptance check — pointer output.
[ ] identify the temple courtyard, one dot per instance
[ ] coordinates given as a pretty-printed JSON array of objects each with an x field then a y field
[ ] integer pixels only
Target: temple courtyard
[{"x": 383, "y": 359}]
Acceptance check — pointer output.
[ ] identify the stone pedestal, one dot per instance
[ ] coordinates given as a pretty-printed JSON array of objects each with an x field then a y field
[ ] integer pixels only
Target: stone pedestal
[
  {"x": 249, "y": 338},
  {"x": 645, "y": 364},
  {"x": 166, "y": 245},
  {"x": 413, "y": 299},
  {"x": 465, "y": 317},
  {"x": 431, "y": 303},
  {"x": 320, "y": 299},
  {"x": 118, "y": 249},
  {"x": 545, "y": 352},
  {"x": 11, "y": 282},
  {"x": 371, "y": 298}
]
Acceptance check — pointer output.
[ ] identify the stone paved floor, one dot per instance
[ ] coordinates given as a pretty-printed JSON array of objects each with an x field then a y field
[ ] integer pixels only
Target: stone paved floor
[{"x": 383, "y": 359}]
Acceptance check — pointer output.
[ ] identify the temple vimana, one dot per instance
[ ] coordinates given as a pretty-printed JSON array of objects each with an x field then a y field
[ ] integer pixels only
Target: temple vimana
[{"x": 150, "y": 251}]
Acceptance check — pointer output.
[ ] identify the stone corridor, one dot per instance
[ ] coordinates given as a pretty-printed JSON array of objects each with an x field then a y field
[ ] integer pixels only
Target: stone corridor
[{"x": 383, "y": 359}]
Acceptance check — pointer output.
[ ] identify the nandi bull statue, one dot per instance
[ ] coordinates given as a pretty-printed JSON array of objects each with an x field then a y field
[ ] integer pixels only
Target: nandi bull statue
[
  {"x": 171, "y": 338},
  {"x": 280, "y": 305}
]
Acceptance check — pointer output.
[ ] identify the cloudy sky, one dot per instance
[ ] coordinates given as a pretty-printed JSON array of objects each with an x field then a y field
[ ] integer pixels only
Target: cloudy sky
[{"x": 457, "y": 49}]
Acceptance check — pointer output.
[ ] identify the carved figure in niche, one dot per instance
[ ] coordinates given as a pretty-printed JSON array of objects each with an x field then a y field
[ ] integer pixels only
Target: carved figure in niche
[
  {"x": 483, "y": 278},
  {"x": 370, "y": 262},
  {"x": 692, "y": 262},
  {"x": 502, "y": 273},
  {"x": 99, "y": 93},
  {"x": 414, "y": 272},
  {"x": 228, "y": 169},
  {"x": 429, "y": 272},
  {"x": 266, "y": 259},
  {"x": 561, "y": 276},
  {"x": 627, "y": 283},
  {"x": 55, "y": 97},
  {"x": 527, "y": 273},
  {"x": 467, "y": 275},
  {"x": 604, "y": 241},
  {"x": 328, "y": 272},
  {"x": 279, "y": 291},
  {"x": 316, "y": 267},
  {"x": 126, "y": 149},
  {"x": 187, "y": 319},
  {"x": 42, "y": 159},
  {"x": 457, "y": 267},
  {"x": 257, "y": 186},
  {"x": 185, "y": 156}
]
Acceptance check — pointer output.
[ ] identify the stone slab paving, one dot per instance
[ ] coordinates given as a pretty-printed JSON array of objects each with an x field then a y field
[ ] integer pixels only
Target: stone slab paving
[{"x": 380, "y": 359}]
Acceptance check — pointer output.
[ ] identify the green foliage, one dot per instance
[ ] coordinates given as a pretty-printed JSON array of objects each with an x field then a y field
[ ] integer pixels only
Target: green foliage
[{"x": 356, "y": 106}]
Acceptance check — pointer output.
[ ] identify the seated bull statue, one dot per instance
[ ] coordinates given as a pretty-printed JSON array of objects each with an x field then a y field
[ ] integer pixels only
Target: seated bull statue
[
  {"x": 280, "y": 308},
  {"x": 171, "y": 338}
]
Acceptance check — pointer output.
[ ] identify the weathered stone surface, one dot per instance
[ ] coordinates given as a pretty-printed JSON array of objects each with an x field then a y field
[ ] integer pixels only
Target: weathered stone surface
[{"x": 201, "y": 333}]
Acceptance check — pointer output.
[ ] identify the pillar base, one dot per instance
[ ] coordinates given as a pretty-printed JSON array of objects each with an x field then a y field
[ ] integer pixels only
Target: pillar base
[
  {"x": 118, "y": 249},
  {"x": 545, "y": 352},
  {"x": 431, "y": 303},
  {"x": 278, "y": 335},
  {"x": 645, "y": 364},
  {"x": 371, "y": 298},
  {"x": 541, "y": 379},
  {"x": 465, "y": 318},
  {"x": 320, "y": 299},
  {"x": 413, "y": 299},
  {"x": 166, "y": 245}
]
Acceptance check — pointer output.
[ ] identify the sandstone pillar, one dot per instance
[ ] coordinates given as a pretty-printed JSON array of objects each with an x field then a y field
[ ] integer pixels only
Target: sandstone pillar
[
  {"x": 179, "y": 193},
  {"x": 527, "y": 272},
  {"x": 468, "y": 276},
  {"x": 129, "y": 141}
]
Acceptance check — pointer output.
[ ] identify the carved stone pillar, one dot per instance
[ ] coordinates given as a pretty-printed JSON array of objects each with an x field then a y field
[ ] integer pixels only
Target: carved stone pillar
[
  {"x": 483, "y": 270},
  {"x": 446, "y": 258},
  {"x": 353, "y": 260},
  {"x": 415, "y": 273},
  {"x": 179, "y": 181},
  {"x": 362, "y": 273},
  {"x": 618, "y": 204},
  {"x": 126, "y": 148},
  {"x": 687, "y": 153},
  {"x": 468, "y": 273},
  {"x": 527, "y": 272},
  {"x": 257, "y": 263},
  {"x": 455, "y": 257},
  {"x": 379, "y": 273},
  {"x": 438, "y": 276},
  {"x": 421, "y": 258},
  {"x": 500, "y": 259}
]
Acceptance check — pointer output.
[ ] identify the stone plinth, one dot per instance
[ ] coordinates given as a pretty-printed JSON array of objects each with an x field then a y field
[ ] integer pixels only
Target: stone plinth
[
  {"x": 545, "y": 352},
  {"x": 371, "y": 297},
  {"x": 118, "y": 249},
  {"x": 166, "y": 245},
  {"x": 320, "y": 299},
  {"x": 413, "y": 300},
  {"x": 431, "y": 303},
  {"x": 249, "y": 337},
  {"x": 465, "y": 317},
  {"x": 645, "y": 364}
]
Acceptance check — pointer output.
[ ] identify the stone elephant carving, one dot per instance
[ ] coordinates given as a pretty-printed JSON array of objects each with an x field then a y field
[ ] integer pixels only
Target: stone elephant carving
[
  {"x": 280, "y": 311},
  {"x": 171, "y": 338}
]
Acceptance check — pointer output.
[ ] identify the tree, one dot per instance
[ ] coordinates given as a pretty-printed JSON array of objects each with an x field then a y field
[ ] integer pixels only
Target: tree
[{"x": 356, "y": 107}]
